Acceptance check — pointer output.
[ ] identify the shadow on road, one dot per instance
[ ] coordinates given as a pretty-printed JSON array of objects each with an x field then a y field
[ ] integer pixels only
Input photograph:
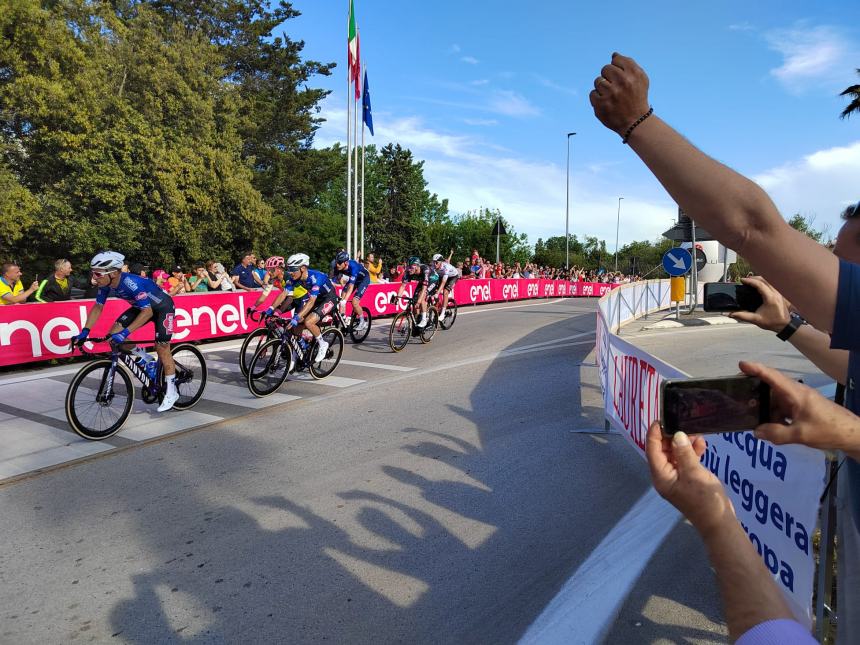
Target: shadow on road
[{"x": 456, "y": 528}]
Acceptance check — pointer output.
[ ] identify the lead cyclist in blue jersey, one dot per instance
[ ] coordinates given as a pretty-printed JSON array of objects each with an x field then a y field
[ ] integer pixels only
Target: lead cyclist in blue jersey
[
  {"x": 148, "y": 302},
  {"x": 321, "y": 298},
  {"x": 357, "y": 283}
]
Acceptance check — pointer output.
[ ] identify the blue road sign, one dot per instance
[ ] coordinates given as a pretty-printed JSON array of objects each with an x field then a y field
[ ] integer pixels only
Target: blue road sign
[{"x": 677, "y": 261}]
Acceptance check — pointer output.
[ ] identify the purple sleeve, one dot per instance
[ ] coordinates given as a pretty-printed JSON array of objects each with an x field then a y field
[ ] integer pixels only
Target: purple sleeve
[{"x": 777, "y": 632}]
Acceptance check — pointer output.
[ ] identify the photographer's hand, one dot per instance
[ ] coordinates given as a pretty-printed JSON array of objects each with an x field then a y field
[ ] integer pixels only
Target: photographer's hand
[
  {"x": 620, "y": 94},
  {"x": 801, "y": 415},
  {"x": 679, "y": 477},
  {"x": 773, "y": 315}
]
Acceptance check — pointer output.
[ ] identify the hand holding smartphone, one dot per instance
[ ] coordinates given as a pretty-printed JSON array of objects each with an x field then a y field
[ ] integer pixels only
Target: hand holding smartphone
[
  {"x": 730, "y": 296},
  {"x": 714, "y": 405}
]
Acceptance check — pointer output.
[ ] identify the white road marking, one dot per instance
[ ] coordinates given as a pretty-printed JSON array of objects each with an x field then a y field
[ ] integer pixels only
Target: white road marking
[
  {"x": 585, "y": 608},
  {"x": 378, "y": 366},
  {"x": 238, "y": 395},
  {"x": 331, "y": 381}
]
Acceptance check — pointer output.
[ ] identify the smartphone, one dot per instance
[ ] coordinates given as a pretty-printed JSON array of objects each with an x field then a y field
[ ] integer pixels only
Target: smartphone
[
  {"x": 711, "y": 405},
  {"x": 730, "y": 296}
]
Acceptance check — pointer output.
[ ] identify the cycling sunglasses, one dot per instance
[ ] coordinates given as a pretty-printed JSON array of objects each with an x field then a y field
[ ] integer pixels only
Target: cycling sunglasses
[{"x": 100, "y": 274}]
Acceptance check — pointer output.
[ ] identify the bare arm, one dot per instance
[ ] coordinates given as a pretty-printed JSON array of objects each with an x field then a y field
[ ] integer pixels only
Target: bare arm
[
  {"x": 773, "y": 315},
  {"x": 750, "y": 595},
  {"x": 730, "y": 206},
  {"x": 21, "y": 297}
]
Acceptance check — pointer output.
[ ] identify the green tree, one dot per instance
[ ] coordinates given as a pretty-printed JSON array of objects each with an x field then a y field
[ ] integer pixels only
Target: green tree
[
  {"x": 853, "y": 92},
  {"x": 805, "y": 225}
]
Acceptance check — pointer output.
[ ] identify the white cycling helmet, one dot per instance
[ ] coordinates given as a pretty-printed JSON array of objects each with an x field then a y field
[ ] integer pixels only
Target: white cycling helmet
[
  {"x": 437, "y": 257},
  {"x": 297, "y": 261},
  {"x": 107, "y": 261}
]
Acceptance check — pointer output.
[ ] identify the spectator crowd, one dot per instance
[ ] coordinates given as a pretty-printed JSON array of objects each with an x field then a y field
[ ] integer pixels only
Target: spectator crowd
[{"x": 250, "y": 273}]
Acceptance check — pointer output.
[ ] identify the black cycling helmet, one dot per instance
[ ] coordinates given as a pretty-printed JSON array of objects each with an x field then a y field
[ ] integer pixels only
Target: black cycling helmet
[
  {"x": 413, "y": 260},
  {"x": 341, "y": 257}
]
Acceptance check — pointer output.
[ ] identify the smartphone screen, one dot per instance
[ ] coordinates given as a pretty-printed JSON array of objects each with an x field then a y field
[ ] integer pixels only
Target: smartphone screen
[
  {"x": 700, "y": 406},
  {"x": 729, "y": 296}
]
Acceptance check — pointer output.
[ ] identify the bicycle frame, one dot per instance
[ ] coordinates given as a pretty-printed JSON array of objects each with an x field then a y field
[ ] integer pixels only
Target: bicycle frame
[{"x": 117, "y": 355}]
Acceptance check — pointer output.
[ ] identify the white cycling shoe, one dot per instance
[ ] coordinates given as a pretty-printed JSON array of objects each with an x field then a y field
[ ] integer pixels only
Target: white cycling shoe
[
  {"x": 421, "y": 322},
  {"x": 361, "y": 325},
  {"x": 170, "y": 398},
  {"x": 322, "y": 348}
]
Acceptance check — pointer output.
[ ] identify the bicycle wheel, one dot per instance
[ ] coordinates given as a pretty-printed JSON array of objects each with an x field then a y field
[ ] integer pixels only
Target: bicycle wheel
[
  {"x": 430, "y": 328},
  {"x": 250, "y": 345},
  {"x": 191, "y": 374},
  {"x": 93, "y": 410},
  {"x": 359, "y": 336},
  {"x": 450, "y": 315},
  {"x": 401, "y": 329},
  {"x": 334, "y": 338},
  {"x": 269, "y": 367}
]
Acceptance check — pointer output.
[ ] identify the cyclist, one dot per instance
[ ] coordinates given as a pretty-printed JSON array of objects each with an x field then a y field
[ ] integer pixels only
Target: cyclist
[
  {"x": 358, "y": 280},
  {"x": 148, "y": 302},
  {"x": 320, "y": 300},
  {"x": 421, "y": 274},
  {"x": 448, "y": 276}
]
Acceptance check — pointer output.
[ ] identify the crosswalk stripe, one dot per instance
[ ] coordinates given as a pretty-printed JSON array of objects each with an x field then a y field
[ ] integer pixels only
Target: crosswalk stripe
[
  {"x": 237, "y": 395},
  {"x": 330, "y": 381},
  {"x": 378, "y": 366}
]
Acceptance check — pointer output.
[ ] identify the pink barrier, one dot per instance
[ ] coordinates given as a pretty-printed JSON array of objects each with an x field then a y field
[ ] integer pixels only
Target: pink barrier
[{"x": 38, "y": 332}]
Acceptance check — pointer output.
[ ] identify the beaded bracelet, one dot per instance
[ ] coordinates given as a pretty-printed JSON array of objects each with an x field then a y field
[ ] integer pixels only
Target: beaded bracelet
[{"x": 635, "y": 123}]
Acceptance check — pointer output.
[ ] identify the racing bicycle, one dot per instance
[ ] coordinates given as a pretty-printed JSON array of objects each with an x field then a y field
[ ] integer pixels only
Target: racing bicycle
[
  {"x": 403, "y": 326},
  {"x": 288, "y": 353},
  {"x": 450, "y": 312},
  {"x": 349, "y": 324},
  {"x": 254, "y": 340},
  {"x": 101, "y": 395}
]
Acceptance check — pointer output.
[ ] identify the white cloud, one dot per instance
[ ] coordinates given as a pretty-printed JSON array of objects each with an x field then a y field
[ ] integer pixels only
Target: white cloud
[
  {"x": 819, "y": 185},
  {"x": 545, "y": 82},
  {"x": 741, "y": 26},
  {"x": 510, "y": 103},
  {"x": 480, "y": 82},
  {"x": 455, "y": 49},
  {"x": 471, "y": 60},
  {"x": 472, "y": 173},
  {"x": 481, "y": 122},
  {"x": 813, "y": 57}
]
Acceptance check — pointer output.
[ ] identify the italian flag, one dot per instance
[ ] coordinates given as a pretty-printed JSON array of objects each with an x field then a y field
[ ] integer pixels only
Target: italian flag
[{"x": 352, "y": 50}]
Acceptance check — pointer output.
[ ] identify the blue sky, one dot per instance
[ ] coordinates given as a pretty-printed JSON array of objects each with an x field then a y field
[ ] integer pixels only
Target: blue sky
[{"x": 485, "y": 93}]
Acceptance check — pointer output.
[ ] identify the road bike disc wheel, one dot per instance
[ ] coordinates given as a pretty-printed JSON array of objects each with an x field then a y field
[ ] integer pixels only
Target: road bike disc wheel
[
  {"x": 450, "y": 315},
  {"x": 401, "y": 330},
  {"x": 90, "y": 418},
  {"x": 269, "y": 368},
  {"x": 250, "y": 345},
  {"x": 430, "y": 328},
  {"x": 334, "y": 338},
  {"x": 359, "y": 336},
  {"x": 191, "y": 375}
]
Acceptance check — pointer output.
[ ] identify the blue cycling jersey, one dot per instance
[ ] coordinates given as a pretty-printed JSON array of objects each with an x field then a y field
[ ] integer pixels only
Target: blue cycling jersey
[
  {"x": 317, "y": 283},
  {"x": 356, "y": 272},
  {"x": 139, "y": 292}
]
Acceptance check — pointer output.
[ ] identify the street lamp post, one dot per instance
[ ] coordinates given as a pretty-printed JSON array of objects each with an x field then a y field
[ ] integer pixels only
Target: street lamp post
[
  {"x": 567, "y": 207},
  {"x": 617, "y": 226}
]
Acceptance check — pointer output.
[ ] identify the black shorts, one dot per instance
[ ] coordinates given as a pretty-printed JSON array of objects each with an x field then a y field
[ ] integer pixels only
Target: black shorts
[
  {"x": 324, "y": 304},
  {"x": 452, "y": 280},
  {"x": 162, "y": 318}
]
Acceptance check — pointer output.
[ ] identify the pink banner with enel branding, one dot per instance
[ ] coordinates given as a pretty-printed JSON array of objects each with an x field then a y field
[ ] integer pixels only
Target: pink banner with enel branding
[{"x": 38, "y": 332}]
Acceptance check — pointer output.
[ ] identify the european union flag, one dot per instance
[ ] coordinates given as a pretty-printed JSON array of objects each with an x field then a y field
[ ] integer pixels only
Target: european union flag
[{"x": 365, "y": 104}]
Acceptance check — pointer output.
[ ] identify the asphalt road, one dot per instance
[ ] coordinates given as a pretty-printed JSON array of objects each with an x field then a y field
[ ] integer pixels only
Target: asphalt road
[
  {"x": 443, "y": 504},
  {"x": 446, "y": 501}
]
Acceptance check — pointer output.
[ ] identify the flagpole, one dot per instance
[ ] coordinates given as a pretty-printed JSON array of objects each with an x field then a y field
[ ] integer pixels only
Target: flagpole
[
  {"x": 355, "y": 183},
  {"x": 363, "y": 76},
  {"x": 348, "y": 170}
]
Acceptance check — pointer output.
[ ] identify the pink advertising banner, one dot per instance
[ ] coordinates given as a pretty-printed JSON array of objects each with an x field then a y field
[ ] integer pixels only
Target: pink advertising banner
[{"x": 38, "y": 332}]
